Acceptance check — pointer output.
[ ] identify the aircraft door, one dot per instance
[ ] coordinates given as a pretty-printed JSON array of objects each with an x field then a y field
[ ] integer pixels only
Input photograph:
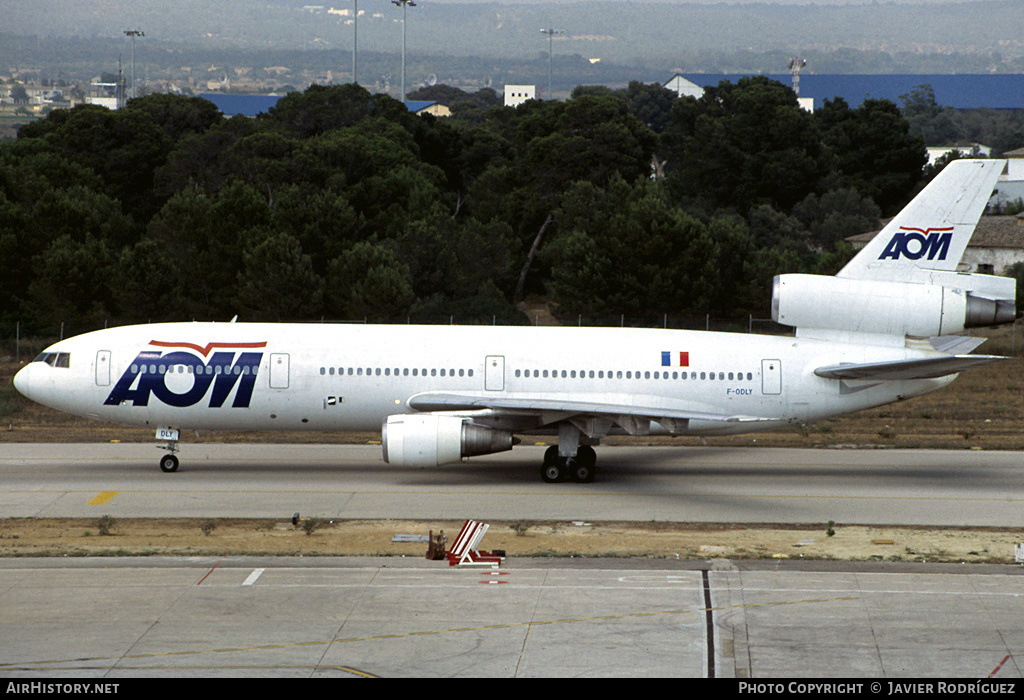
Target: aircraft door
[
  {"x": 103, "y": 368},
  {"x": 771, "y": 376},
  {"x": 494, "y": 373},
  {"x": 279, "y": 370}
]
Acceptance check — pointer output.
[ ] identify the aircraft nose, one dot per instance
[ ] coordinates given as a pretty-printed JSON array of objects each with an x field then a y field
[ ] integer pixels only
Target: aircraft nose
[{"x": 23, "y": 381}]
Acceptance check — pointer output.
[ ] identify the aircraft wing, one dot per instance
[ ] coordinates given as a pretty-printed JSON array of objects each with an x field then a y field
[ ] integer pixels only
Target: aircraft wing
[
  {"x": 928, "y": 368},
  {"x": 439, "y": 401}
]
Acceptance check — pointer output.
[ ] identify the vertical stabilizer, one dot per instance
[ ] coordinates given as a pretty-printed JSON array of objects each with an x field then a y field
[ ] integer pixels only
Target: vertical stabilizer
[{"x": 932, "y": 232}]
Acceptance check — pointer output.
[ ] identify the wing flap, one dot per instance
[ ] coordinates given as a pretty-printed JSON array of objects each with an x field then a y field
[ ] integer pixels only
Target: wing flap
[
  {"x": 956, "y": 344},
  {"x": 438, "y": 401},
  {"x": 927, "y": 368}
]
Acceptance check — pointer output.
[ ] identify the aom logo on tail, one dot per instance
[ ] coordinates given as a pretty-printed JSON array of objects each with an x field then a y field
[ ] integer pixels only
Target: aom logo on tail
[
  {"x": 184, "y": 377},
  {"x": 916, "y": 243}
]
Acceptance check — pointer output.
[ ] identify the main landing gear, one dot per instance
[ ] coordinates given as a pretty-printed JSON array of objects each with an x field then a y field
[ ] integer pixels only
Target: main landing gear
[
  {"x": 569, "y": 460},
  {"x": 580, "y": 467}
]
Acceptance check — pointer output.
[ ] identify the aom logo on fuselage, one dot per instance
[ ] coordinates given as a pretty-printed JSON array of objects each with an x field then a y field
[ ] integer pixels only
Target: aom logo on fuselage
[
  {"x": 184, "y": 377},
  {"x": 916, "y": 243}
]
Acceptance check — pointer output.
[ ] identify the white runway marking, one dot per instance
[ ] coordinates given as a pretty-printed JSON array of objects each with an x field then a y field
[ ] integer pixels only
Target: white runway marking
[{"x": 256, "y": 573}]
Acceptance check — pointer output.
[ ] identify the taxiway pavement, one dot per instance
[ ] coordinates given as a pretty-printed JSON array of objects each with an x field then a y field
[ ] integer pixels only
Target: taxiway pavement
[
  {"x": 675, "y": 484},
  {"x": 398, "y": 617},
  {"x": 281, "y": 617}
]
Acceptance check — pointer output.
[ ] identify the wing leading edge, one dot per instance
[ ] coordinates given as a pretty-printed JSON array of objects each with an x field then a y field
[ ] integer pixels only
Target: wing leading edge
[{"x": 927, "y": 368}]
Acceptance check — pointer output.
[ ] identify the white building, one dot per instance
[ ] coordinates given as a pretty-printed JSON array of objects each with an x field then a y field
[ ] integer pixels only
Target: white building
[
  {"x": 109, "y": 95},
  {"x": 683, "y": 87},
  {"x": 971, "y": 150},
  {"x": 1010, "y": 186},
  {"x": 516, "y": 95}
]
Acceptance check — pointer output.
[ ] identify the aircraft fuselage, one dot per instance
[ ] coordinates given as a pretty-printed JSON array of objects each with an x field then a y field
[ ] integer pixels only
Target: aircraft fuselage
[{"x": 337, "y": 377}]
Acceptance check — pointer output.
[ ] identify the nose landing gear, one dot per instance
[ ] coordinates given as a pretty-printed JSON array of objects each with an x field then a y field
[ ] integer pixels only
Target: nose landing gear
[{"x": 169, "y": 462}]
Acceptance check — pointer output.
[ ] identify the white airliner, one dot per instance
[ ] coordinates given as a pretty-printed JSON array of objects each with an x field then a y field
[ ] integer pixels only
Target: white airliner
[{"x": 878, "y": 332}]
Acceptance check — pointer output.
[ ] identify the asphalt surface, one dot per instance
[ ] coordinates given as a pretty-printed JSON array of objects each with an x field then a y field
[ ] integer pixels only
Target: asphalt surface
[
  {"x": 686, "y": 484},
  {"x": 397, "y": 617}
]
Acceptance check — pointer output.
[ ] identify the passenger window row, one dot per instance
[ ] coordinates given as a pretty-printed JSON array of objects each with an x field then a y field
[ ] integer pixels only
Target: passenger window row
[
  {"x": 536, "y": 373},
  {"x": 628, "y": 374},
  {"x": 394, "y": 372},
  {"x": 183, "y": 369}
]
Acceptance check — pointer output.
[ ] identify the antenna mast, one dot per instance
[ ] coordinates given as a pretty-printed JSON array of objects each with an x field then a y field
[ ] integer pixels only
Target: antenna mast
[{"x": 794, "y": 69}]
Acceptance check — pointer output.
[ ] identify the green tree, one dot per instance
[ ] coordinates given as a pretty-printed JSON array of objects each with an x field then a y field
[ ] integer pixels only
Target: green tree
[
  {"x": 277, "y": 281},
  {"x": 651, "y": 104},
  {"x": 325, "y": 108},
  {"x": 322, "y": 220},
  {"x": 873, "y": 151},
  {"x": 464, "y": 105},
  {"x": 744, "y": 144},
  {"x": 73, "y": 281},
  {"x": 206, "y": 160},
  {"x": 632, "y": 255},
  {"x": 123, "y": 147},
  {"x": 836, "y": 215},
  {"x": 1016, "y": 270},
  {"x": 201, "y": 241},
  {"x": 927, "y": 119},
  {"x": 177, "y": 115},
  {"x": 553, "y": 146},
  {"x": 368, "y": 281}
]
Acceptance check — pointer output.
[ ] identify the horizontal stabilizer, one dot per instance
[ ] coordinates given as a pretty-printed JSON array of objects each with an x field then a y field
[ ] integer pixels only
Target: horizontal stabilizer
[
  {"x": 928, "y": 368},
  {"x": 437, "y": 401}
]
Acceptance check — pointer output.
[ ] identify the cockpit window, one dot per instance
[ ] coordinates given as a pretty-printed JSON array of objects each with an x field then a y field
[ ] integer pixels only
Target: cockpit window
[{"x": 55, "y": 359}]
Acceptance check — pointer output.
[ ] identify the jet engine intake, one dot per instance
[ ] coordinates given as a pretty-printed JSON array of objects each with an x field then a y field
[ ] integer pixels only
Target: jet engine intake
[{"x": 428, "y": 440}]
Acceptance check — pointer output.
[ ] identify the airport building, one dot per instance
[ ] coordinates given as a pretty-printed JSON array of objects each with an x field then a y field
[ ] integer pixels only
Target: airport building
[
  {"x": 251, "y": 105},
  {"x": 968, "y": 91}
]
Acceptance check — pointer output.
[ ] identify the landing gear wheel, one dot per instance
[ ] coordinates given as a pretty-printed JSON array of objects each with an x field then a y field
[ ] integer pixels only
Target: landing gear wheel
[
  {"x": 581, "y": 468},
  {"x": 552, "y": 473},
  {"x": 552, "y": 470},
  {"x": 584, "y": 465},
  {"x": 169, "y": 463}
]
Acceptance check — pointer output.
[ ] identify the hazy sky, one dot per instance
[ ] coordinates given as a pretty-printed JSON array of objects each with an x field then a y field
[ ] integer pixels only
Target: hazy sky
[
  {"x": 636, "y": 32},
  {"x": 341, "y": 3}
]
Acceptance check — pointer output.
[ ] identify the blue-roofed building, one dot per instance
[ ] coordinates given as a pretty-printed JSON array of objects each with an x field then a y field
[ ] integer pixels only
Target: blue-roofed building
[
  {"x": 251, "y": 105},
  {"x": 426, "y": 107},
  {"x": 246, "y": 105},
  {"x": 967, "y": 91}
]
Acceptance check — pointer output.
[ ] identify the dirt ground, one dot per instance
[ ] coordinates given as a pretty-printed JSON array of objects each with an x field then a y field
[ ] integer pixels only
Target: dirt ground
[
  {"x": 233, "y": 537},
  {"x": 982, "y": 410}
]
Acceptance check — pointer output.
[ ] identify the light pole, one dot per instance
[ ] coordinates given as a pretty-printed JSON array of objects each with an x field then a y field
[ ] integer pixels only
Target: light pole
[
  {"x": 133, "y": 33},
  {"x": 404, "y": 4},
  {"x": 551, "y": 33},
  {"x": 355, "y": 42}
]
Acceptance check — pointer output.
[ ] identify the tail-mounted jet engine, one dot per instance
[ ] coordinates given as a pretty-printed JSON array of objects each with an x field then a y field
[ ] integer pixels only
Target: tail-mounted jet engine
[
  {"x": 427, "y": 440},
  {"x": 948, "y": 304}
]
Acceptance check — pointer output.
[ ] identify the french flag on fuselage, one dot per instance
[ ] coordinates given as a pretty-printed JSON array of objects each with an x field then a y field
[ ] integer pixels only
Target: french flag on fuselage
[{"x": 675, "y": 359}]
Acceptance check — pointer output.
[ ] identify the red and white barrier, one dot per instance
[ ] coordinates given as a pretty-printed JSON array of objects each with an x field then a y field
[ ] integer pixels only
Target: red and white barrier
[{"x": 464, "y": 548}]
